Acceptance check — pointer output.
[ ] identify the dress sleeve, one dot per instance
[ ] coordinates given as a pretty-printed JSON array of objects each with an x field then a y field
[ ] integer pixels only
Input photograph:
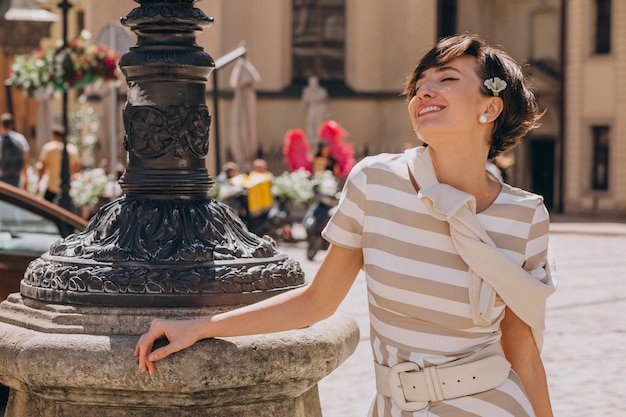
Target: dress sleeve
[
  {"x": 345, "y": 228},
  {"x": 540, "y": 261},
  {"x": 537, "y": 245}
]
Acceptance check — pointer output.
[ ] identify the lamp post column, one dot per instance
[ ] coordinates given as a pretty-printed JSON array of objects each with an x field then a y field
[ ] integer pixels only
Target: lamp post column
[{"x": 63, "y": 199}]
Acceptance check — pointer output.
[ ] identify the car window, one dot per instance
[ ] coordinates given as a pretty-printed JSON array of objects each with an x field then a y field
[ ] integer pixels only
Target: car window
[{"x": 21, "y": 230}]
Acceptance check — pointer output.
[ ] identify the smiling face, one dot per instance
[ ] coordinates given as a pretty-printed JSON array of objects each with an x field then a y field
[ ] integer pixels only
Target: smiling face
[
  {"x": 510, "y": 116},
  {"x": 448, "y": 100}
]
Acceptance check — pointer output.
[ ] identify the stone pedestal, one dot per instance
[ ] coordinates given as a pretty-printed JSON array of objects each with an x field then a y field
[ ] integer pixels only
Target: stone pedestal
[{"x": 69, "y": 361}]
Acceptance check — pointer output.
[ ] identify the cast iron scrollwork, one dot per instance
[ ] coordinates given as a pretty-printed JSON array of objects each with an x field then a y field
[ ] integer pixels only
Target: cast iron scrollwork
[
  {"x": 152, "y": 133},
  {"x": 173, "y": 247}
]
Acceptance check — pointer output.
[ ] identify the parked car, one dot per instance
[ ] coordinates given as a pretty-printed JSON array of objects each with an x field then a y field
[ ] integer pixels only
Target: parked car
[{"x": 28, "y": 226}]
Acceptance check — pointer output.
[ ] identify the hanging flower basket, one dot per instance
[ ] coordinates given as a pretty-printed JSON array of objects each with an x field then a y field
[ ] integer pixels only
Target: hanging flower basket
[{"x": 64, "y": 67}]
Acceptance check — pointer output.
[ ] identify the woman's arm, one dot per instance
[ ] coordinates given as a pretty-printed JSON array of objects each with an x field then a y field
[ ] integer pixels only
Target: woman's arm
[
  {"x": 24, "y": 173},
  {"x": 520, "y": 349},
  {"x": 290, "y": 310}
]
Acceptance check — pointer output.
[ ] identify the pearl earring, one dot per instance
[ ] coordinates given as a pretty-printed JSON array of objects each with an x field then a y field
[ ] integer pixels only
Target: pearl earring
[{"x": 482, "y": 118}]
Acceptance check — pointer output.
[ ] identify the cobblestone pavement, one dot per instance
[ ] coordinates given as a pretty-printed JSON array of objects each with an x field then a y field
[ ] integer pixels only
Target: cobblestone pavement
[{"x": 583, "y": 353}]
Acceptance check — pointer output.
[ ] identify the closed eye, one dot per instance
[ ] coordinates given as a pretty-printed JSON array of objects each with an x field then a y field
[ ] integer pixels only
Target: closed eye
[
  {"x": 417, "y": 87},
  {"x": 446, "y": 79}
]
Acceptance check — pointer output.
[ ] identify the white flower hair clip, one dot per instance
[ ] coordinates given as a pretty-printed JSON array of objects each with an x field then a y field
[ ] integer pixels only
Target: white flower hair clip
[{"x": 496, "y": 85}]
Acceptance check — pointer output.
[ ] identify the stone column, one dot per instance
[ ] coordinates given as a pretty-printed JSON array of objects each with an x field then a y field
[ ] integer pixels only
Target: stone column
[{"x": 165, "y": 249}]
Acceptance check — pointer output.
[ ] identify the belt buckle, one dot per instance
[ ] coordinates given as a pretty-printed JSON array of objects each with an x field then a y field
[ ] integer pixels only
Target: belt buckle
[{"x": 395, "y": 387}]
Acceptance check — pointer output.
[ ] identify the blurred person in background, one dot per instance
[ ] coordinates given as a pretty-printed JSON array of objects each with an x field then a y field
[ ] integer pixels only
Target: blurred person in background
[
  {"x": 229, "y": 171},
  {"x": 296, "y": 150},
  {"x": 323, "y": 161},
  {"x": 14, "y": 150},
  {"x": 49, "y": 165},
  {"x": 340, "y": 153},
  {"x": 499, "y": 166},
  {"x": 259, "y": 168}
]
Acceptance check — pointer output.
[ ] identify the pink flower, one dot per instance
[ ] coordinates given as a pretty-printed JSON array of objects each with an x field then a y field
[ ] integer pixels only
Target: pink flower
[
  {"x": 296, "y": 150},
  {"x": 342, "y": 152}
]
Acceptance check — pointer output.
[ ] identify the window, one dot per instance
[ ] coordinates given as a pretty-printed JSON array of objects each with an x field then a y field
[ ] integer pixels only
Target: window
[
  {"x": 21, "y": 230},
  {"x": 600, "y": 168},
  {"x": 80, "y": 21},
  {"x": 446, "y": 18},
  {"x": 603, "y": 27},
  {"x": 318, "y": 39}
]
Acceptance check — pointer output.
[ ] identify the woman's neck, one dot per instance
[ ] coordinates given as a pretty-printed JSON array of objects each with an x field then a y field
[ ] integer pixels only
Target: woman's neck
[{"x": 466, "y": 171}]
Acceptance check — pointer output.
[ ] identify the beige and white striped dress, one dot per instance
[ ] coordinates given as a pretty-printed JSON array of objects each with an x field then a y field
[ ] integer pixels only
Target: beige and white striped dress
[{"x": 418, "y": 284}]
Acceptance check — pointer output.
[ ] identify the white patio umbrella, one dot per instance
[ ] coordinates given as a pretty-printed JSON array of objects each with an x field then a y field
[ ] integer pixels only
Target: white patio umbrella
[
  {"x": 243, "y": 137},
  {"x": 43, "y": 132}
]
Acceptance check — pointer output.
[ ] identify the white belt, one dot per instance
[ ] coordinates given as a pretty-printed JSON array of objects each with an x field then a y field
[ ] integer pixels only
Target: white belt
[{"x": 412, "y": 387}]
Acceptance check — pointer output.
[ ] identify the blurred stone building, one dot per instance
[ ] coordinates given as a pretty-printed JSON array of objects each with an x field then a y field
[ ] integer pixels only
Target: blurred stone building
[{"x": 363, "y": 50}]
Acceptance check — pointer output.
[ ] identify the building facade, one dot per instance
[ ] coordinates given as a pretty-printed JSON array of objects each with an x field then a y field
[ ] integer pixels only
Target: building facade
[
  {"x": 594, "y": 149},
  {"x": 362, "y": 51}
]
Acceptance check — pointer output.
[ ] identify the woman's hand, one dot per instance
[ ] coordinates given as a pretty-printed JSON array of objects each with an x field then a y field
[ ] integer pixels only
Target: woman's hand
[
  {"x": 180, "y": 333},
  {"x": 292, "y": 309}
]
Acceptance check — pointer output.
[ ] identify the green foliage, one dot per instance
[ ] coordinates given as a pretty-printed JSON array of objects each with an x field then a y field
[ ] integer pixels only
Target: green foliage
[{"x": 63, "y": 67}]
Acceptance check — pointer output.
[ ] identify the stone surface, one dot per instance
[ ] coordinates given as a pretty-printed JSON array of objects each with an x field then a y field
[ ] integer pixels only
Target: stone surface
[{"x": 264, "y": 375}]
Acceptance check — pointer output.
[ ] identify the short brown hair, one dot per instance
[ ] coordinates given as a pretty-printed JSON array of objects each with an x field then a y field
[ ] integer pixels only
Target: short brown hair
[
  {"x": 7, "y": 120},
  {"x": 520, "y": 113},
  {"x": 58, "y": 130}
]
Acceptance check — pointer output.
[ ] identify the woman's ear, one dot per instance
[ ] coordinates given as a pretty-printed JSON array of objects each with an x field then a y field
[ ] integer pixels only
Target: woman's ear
[{"x": 495, "y": 105}]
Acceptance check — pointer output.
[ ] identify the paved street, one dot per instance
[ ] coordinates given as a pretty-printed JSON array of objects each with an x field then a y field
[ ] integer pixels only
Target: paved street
[{"x": 584, "y": 352}]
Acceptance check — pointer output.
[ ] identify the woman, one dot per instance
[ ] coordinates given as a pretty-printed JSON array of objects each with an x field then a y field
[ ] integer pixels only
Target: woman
[
  {"x": 323, "y": 160},
  {"x": 455, "y": 261}
]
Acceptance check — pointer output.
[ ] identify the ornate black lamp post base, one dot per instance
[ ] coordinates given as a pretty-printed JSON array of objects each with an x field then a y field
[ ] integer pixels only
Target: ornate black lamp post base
[{"x": 162, "y": 253}]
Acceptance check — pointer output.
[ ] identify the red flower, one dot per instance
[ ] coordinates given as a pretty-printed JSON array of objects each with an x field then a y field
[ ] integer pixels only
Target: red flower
[{"x": 72, "y": 65}]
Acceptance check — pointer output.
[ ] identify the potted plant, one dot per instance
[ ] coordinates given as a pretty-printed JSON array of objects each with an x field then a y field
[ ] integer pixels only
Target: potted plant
[{"x": 64, "y": 67}]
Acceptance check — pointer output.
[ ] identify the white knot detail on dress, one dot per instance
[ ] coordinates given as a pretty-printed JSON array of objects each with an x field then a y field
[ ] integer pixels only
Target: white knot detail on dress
[
  {"x": 490, "y": 270},
  {"x": 447, "y": 201},
  {"x": 458, "y": 209}
]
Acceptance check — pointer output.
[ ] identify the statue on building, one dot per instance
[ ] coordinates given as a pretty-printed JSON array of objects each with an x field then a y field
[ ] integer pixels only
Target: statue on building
[{"x": 315, "y": 102}]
